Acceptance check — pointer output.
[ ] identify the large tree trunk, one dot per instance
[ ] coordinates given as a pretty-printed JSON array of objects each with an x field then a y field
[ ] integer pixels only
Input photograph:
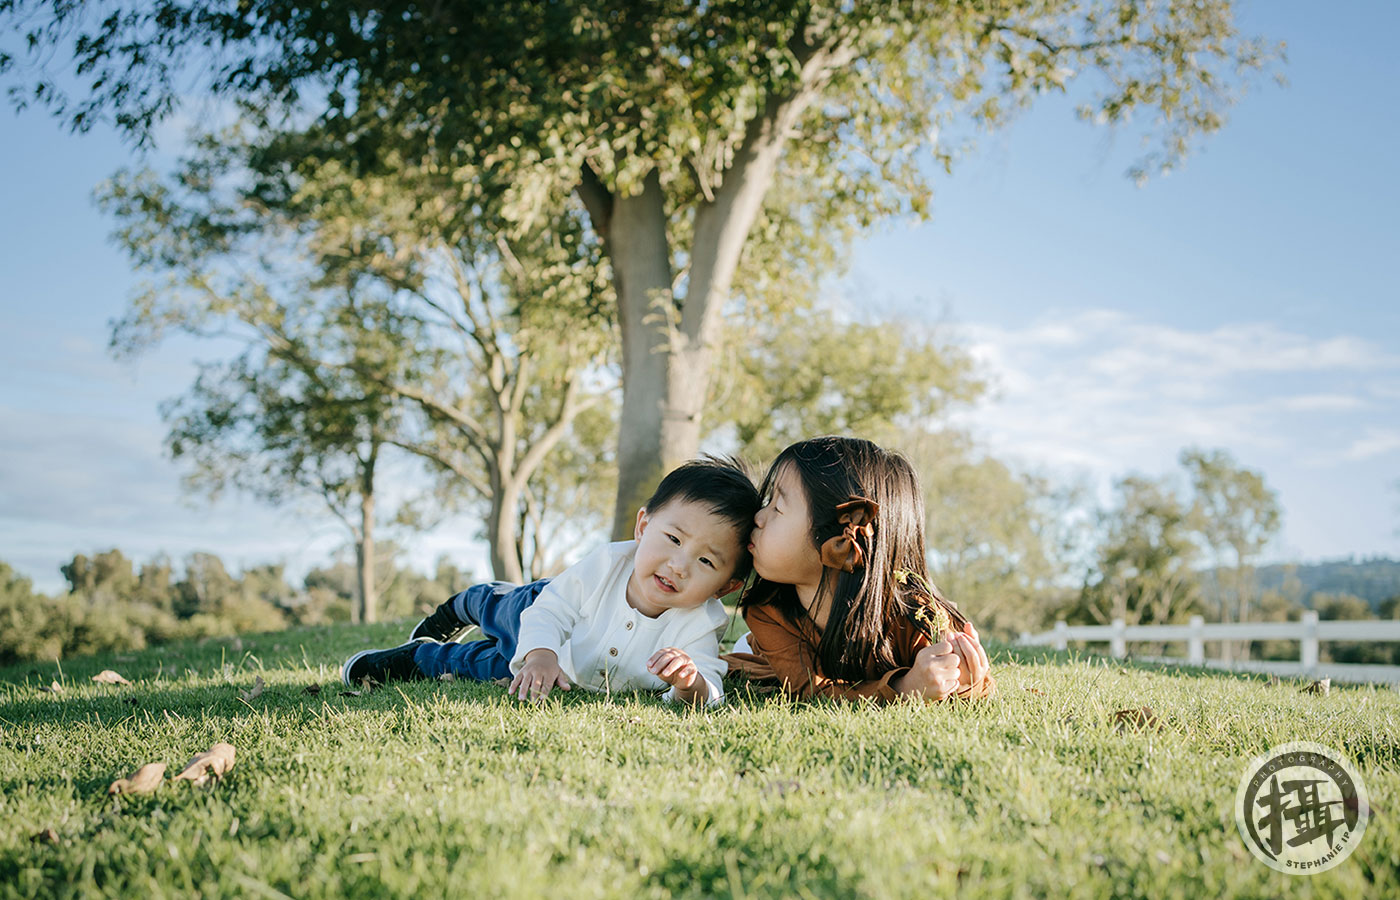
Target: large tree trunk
[
  {"x": 1227, "y": 648},
  {"x": 668, "y": 348},
  {"x": 502, "y": 532},
  {"x": 658, "y": 423}
]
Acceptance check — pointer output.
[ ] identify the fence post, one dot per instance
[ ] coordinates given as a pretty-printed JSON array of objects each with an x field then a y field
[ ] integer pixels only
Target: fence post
[
  {"x": 1196, "y": 643},
  {"x": 1061, "y": 635},
  {"x": 1117, "y": 644},
  {"x": 1309, "y": 643}
]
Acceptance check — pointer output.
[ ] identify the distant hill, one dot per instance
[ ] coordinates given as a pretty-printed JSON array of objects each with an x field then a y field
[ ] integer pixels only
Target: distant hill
[{"x": 1373, "y": 580}]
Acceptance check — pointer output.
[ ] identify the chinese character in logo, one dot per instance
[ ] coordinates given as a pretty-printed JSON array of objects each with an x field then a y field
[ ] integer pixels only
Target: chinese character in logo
[{"x": 1310, "y": 816}]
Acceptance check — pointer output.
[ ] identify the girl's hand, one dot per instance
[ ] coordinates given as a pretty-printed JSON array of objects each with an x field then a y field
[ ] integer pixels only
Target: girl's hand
[
  {"x": 973, "y": 665},
  {"x": 674, "y": 667},
  {"x": 934, "y": 674},
  {"x": 540, "y": 675}
]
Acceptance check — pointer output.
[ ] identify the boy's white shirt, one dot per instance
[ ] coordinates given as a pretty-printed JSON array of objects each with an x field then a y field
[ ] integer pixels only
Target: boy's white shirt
[{"x": 602, "y": 642}]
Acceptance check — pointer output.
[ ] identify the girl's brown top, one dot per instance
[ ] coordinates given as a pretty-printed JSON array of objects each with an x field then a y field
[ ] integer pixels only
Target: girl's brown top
[{"x": 786, "y": 652}]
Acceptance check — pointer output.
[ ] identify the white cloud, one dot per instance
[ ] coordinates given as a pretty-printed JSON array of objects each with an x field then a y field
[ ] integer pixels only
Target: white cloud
[
  {"x": 1373, "y": 442},
  {"x": 1100, "y": 393},
  {"x": 1322, "y": 403}
]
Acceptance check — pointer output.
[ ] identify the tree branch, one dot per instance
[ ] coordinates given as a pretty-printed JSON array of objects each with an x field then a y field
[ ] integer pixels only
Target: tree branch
[
  {"x": 450, "y": 465},
  {"x": 597, "y": 199},
  {"x": 722, "y": 226},
  {"x": 569, "y": 408}
]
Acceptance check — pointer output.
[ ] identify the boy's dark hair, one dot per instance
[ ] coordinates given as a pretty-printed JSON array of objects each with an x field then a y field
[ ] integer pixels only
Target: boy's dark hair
[{"x": 723, "y": 485}]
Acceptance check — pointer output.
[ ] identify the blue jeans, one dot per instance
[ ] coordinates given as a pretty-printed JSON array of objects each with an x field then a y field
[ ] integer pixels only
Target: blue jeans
[{"x": 495, "y": 608}]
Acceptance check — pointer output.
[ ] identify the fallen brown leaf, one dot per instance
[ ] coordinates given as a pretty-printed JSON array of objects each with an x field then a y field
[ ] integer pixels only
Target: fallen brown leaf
[
  {"x": 47, "y": 836},
  {"x": 1140, "y": 718},
  {"x": 313, "y": 689},
  {"x": 216, "y": 762},
  {"x": 54, "y": 688},
  {"x": 350, "y": 693},
  {"x": 1035, "y": 691},
  {"x": 107, "y": 676},
  {"x": 447, "y": 676},
  {"x": 142, "y": 781},
  {"x": 501, "y": 682},
  {"x": 1322, "y": 686},
  {"x": 253, "y": 692}
]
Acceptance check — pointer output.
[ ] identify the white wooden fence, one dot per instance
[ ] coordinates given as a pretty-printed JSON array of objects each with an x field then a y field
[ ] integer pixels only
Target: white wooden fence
[{"x": 1309, "y": 633}]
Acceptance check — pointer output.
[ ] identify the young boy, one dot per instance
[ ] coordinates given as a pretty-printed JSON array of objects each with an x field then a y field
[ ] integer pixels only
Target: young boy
[{"x": 636, "y": 614}]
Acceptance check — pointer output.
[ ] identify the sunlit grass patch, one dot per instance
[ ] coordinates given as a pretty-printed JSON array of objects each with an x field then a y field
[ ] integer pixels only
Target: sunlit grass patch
[{"x": 428, "y": 788}]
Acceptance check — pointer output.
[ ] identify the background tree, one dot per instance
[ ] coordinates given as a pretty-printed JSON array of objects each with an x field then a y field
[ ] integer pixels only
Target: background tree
[
  {"x": 106, "y": 577},
  {"x": 1145, "y": 570},
  {"x": 806, "y": 369},
  {"x": 991, "y": 533},
  {"x": 278, "y": 420},
  {"x": 1235, "y": 515},
  {"x": 403, "y": 591},
  {"x": 369, "y": 321},
  {"x": 674, "y": 124}
]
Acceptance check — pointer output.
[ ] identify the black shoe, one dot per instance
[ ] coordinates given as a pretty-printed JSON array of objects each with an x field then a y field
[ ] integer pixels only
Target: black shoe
[
  {"x": 443, "y": 625},
  {"x": 383, "y": 666}
]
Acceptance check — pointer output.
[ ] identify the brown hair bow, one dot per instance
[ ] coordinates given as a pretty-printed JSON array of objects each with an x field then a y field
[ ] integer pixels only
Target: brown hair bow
[{"x": 844, "y": 551}]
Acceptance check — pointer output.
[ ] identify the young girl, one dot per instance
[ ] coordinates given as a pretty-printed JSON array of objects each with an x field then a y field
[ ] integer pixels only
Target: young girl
[{"x": 842, "y": 606}]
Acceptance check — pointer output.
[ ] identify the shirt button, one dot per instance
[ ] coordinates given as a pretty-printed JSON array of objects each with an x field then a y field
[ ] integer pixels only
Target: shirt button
[
  {"x": 612, "y": 651},
  {"x": 629, "y": 626}
]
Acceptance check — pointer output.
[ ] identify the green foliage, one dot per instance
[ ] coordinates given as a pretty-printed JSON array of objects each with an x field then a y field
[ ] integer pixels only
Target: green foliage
[
  {"x": 1152, "y": 541},
  {"x": 1235, "y": 515},
  {"x": 403, "y": 592},
  {"x": 379, "y": 311},
  {"x": 434, "y": 789},
  {"x": 1373, "y": 580},
  {"x": 1349, "y": 607},
  {"x": 699, "y": 146},
  {"x": 670, "y": 84},
  {"x": 792, "y": 374},
  {"x": 990, "y": 531},
  {"x": 107, "y": 609},
  {"x": 34, "y": 626},
  {"x": 1235, "y": 512},
  {"x": 1145, "y": 572}
]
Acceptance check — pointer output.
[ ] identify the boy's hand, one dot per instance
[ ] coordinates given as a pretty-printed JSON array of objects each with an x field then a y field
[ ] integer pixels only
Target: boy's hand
[
  {"x": 538, "y": 676},
  {"x": 934, "y": 674},
  {"x": 676, "y": 668}
]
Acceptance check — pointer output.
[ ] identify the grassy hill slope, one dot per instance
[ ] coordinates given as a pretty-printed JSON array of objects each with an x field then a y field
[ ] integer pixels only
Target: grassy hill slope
[{"x": 435, "y": 787}]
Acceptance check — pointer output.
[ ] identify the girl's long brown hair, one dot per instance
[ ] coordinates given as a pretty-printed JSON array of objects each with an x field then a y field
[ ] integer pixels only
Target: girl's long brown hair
[{"x": 865, "y": 605}]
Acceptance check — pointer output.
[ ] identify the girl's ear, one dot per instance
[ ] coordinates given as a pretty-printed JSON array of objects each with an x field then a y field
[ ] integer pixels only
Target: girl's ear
[{"x": 641, "y": 524}]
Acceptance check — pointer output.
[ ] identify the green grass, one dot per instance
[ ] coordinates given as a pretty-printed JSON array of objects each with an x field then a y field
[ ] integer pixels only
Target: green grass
[{"x": 432, "y": 788}]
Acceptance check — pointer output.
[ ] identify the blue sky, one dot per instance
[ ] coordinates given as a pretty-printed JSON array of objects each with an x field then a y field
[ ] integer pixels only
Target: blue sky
[{"x": 1248, "y": 301}]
